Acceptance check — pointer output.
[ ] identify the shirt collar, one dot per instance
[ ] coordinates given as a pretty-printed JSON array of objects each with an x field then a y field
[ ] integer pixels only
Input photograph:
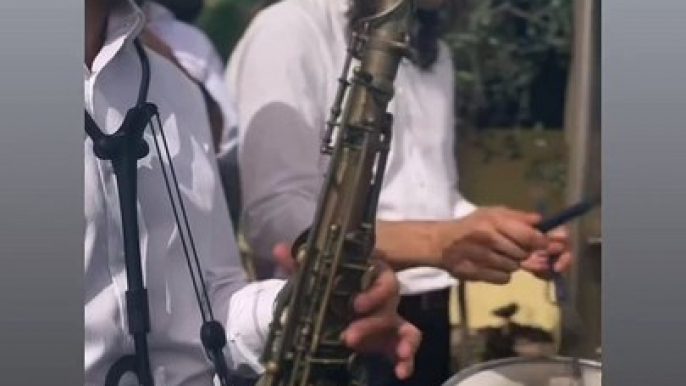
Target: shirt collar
[{"x": 125, "y": 23}]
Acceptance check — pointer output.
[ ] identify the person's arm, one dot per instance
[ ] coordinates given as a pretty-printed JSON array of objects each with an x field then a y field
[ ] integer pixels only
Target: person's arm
[
  {"x": 377, "y": 329},
  {"x": 408, "y": 244},
  {"x": 276, "y": 78},
  {"x": 250, "y": 311}
]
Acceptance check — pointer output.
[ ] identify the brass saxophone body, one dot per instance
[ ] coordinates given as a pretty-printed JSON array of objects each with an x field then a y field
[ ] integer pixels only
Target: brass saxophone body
[{"x": 304, "y": 346}]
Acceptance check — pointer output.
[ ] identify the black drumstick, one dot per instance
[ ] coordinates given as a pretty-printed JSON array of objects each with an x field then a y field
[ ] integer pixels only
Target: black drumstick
[
  {"x": 554, "y": 221},
  {"x": 572, "y": 326},
  {"x": 566, "y": 215}
]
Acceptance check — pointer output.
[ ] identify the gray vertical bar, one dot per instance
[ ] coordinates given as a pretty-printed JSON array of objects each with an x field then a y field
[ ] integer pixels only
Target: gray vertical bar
[
  {"x": 583, "y": 127},
  {"x": 41, "y": 192},
  {"x": 644, "y": 186}
]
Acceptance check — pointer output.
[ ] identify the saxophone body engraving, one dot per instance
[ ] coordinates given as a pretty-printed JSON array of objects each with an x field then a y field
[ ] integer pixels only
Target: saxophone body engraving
[{"x": 304, "y": 347}]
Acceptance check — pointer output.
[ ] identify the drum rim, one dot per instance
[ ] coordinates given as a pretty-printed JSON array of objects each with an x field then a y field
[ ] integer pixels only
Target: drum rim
[{"x": 479, "y": 367}]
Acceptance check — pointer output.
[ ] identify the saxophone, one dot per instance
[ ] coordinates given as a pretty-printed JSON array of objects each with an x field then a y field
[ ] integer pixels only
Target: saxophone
[{"x": 304, "y": 346}]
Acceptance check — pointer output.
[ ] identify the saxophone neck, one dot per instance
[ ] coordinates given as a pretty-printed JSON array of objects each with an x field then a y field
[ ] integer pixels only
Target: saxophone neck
[{"x": 378, "y": 14}]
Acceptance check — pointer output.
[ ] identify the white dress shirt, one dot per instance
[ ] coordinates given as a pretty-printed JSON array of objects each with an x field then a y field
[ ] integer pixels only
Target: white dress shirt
[
  {"x": 284, "y": 75},
  {"x": 177, "y": 355},
  {"x": 196, "y": 53}
]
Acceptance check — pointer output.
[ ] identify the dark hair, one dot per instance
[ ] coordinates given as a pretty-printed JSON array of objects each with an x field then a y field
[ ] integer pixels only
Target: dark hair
[{"x": 425, "y": 36}]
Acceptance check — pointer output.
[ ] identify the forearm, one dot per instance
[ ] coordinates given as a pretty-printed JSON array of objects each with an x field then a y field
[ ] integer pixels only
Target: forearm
[{"x": 408, "y": 244}]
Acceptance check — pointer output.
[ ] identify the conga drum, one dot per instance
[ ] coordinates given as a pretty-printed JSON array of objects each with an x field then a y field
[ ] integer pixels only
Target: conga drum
[{"x": 520, "y": 371}]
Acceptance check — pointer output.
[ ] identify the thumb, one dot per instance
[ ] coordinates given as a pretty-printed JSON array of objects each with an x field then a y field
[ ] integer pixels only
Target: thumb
[{"x": 281, "y": 253}]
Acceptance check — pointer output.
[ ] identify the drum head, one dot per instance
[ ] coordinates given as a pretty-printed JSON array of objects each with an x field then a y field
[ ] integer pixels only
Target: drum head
[{"x": 555, "y": 371}]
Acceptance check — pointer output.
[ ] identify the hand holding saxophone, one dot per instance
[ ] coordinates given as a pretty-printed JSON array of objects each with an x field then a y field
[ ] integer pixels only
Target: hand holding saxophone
[{"x": 379, "y": 329}]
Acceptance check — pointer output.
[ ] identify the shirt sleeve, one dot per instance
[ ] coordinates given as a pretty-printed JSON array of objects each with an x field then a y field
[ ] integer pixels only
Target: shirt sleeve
[
  {"x": 250, "y": 313},
  {"x": 463, "y": 207},
  {"x": 278, "y": 82}
]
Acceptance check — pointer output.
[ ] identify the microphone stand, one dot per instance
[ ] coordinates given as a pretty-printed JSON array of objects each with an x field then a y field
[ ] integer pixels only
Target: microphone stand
[{"x": 123, "y": 149}]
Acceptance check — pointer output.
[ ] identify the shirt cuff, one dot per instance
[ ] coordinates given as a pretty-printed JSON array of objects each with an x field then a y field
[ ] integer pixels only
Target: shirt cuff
[
  {"x": 250, "y": 313},
  {"x": 463, "y": 208}
]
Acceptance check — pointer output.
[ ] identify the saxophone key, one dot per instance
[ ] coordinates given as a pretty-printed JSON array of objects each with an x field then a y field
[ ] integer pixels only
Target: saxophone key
[
  {"x": 354, "y": 267},
  {"x": 271, "y": 367},
  {"x": 369, "y": 277}
]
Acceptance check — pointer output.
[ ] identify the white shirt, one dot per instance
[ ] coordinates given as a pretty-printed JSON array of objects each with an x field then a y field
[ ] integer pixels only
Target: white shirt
[
  {"x": 177, "y": 356},
  {"x": 196, "y": 53},
  {"x": 284, "y": 74}
]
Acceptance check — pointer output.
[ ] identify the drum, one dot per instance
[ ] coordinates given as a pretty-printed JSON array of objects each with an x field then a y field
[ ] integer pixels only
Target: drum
[{"x": 553, "y": 371}]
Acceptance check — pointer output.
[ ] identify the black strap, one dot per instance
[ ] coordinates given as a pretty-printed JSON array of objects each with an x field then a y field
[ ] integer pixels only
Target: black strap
[{"x": 92, "y": 129}]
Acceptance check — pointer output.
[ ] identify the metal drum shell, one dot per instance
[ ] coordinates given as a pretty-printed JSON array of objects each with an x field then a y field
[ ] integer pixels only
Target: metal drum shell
[{"x": 520, "y": 371}]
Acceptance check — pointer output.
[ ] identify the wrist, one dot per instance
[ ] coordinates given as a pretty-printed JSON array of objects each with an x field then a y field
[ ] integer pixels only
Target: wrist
[{"x": 436, "y": 244}]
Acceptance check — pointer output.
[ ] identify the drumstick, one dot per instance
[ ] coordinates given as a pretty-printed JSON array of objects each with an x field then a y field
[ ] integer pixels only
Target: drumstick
[
  {"x": 572, "y": 325},
  {"x": 568, "y": 214},
  {"x": 554, "y": 221}
]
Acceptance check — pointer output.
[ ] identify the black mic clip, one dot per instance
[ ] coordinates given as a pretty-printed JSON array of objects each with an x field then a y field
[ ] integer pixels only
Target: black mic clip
[{"x": 129, "y": 135}]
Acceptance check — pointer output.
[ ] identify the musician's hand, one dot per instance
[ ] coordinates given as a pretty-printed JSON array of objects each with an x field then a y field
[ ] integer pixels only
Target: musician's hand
[
  {"x": 281, "y": 253},
  {"x": 490, "y": 244},
  {"x": 538, "y": 262},
  {"x": 380, "y": 329}
]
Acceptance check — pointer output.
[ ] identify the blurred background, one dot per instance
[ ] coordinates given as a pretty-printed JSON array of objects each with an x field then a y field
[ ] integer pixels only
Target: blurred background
[{"x": 529, "y": 137}]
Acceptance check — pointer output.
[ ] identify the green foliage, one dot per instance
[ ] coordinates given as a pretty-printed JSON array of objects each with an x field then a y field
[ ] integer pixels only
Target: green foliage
[
  {"x": 511, "y": 56},
  {"x": 506, "y": 52}
]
